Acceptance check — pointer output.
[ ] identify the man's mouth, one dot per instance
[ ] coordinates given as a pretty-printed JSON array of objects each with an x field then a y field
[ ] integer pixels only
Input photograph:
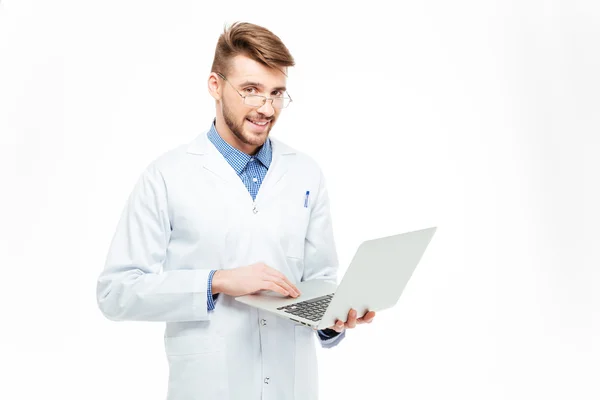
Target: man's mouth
[{"x": 257, "y": 122}]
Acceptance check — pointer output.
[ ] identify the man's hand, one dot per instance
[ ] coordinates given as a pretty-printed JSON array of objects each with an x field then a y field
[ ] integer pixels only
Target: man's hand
[
  {"x": 353, "y": 321},
  {"x": 250, "y": 279}
]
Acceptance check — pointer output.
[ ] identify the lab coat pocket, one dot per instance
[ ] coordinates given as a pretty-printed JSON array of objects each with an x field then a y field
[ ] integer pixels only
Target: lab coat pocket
[
  {"x": 306, "y": 373},
  {"x": 294, "y": 221},
  {"x": 197, "y": 367}
]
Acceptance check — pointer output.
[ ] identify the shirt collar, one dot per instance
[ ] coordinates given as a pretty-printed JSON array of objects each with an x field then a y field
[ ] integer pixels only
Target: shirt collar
[{"x": 238, "y": 159}]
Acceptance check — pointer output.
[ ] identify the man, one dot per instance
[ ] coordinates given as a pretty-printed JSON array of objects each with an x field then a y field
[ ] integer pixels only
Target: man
[{"x": 231, "y": 213}]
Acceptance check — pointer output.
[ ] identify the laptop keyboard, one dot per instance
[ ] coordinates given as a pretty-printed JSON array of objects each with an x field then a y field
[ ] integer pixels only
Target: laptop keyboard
[{"x": 312, "y": 309}]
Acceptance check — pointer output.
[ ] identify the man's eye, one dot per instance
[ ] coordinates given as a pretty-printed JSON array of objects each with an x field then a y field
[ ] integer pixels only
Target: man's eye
[
  {"x": 250, "y": 90},
  {"x": 277, "y": 93}
]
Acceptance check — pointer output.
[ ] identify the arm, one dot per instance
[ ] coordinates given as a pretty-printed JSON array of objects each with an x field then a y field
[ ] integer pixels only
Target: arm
[{"x": 133, "y": 285}]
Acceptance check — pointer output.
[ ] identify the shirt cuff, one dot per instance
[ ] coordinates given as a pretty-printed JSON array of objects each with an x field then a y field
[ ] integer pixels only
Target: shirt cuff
[
  {"x": 327, "y": 333},
  {"x": 332, "y": 341},
  {"x": 210, "y": 297}
]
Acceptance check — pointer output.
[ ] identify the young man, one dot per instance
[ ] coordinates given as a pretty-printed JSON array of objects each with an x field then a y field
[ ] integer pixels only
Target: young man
[{"x": 226, "y": 215}]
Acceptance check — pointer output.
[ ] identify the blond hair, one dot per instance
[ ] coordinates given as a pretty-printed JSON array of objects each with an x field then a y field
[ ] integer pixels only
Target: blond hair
[{"x": 254, "y": 42}]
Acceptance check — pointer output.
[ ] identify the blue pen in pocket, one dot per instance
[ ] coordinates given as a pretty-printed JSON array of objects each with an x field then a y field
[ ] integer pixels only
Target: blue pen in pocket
[{"x": 306, "y": 198}]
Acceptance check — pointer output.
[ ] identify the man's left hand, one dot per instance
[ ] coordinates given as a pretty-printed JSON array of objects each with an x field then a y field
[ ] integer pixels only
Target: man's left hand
[{"x": 352, "y": 321}]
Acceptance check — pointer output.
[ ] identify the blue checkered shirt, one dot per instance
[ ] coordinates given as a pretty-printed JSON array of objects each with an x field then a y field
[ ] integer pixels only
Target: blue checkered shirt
[{"x": 252, "y": 171}]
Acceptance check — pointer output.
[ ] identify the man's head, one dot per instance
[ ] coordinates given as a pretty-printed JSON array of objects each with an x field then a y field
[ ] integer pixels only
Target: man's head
[{"x": 249, "y": 60}]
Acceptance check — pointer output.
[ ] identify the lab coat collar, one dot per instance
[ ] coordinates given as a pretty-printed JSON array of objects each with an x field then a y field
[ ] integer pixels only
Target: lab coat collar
[{"x": 213, "y": 160}]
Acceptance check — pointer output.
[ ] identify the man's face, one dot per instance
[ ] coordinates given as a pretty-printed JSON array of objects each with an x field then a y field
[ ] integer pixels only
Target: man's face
[{"x": 251, "y": 125}]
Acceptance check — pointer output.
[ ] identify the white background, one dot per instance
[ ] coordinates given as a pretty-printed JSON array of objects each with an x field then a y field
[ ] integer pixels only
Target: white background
[{"x": 479, "y": 117}]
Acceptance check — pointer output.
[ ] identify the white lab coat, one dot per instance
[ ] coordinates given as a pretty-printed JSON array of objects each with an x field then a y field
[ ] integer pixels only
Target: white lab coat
[{"x": 190, "y": 213}]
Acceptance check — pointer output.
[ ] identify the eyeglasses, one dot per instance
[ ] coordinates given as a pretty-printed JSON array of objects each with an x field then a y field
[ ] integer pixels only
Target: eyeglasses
[{"x": 256, "y": 100}]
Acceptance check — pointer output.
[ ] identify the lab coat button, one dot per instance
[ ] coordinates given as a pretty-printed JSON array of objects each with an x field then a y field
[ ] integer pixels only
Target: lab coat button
[
  {"x": 267, "y": 380},
  {"x": 263, "y": 322},
  {"x": 255, "y": 210}
]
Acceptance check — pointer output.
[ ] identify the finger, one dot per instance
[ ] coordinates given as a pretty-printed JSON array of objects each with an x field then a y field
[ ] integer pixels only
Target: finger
[
  {"x": 275, "y": 288},
  {"x": 367, "y": 318},
  {"x": 339, "y": 326},
  {"x": 273, "y": 272},
  {"x": 287, "y": 281},
  {"x": 351, "y": 323},
  {"x": 281, "y": 283}
]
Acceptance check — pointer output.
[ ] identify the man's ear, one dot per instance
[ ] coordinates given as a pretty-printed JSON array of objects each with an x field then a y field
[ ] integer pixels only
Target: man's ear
[{"x": 214, "y": 86}]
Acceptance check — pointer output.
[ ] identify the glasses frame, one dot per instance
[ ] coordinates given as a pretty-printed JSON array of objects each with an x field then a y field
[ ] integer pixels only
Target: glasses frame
[{"x": 257, "y": 95}]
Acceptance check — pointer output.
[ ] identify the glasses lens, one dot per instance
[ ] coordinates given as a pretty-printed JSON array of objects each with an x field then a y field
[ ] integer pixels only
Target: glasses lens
[
  {"x": 254, "y": 100},
  {"x": 279, "y": 102},
  {"x": 258, "y": 101}
]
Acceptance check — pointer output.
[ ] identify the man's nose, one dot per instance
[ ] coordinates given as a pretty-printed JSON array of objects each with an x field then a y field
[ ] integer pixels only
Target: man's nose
[{"x": 267, "y": 108}]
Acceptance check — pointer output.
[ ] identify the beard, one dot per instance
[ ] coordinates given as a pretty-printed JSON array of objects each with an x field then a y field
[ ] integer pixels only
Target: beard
[{"x": 244, "y": 135}]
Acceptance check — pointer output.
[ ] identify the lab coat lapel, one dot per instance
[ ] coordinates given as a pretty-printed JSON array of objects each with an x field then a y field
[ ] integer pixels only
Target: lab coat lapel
[
  {"x": 283, "y": 157},
  {"x": 212, "y": 160}
]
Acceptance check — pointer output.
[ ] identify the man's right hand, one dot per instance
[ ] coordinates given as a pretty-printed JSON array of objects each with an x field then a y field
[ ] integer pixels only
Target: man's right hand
[{"x": 250, "y": 279}]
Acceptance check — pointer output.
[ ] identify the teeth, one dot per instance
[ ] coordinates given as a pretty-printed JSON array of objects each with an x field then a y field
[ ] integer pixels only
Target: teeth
[{"x": 259, "y": 123}]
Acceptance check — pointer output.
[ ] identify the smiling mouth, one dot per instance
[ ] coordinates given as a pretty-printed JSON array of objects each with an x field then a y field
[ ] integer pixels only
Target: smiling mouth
[{"x": 257, "y": 122}]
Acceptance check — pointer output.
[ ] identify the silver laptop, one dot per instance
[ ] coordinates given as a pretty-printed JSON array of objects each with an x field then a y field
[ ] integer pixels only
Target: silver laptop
[{"x": 374, "y": 281}]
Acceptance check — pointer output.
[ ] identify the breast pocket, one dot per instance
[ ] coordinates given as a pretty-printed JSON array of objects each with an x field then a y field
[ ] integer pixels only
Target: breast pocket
[
  {"x": 197, "y": 367},
  {"x": 293, "y": 224}
]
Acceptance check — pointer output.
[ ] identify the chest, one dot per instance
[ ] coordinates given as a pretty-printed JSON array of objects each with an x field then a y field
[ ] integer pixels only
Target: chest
[{"x": 216, "y": 213}]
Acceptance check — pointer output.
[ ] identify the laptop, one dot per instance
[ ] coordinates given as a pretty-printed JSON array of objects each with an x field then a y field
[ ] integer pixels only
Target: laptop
[{"x": 374, "y": 281}]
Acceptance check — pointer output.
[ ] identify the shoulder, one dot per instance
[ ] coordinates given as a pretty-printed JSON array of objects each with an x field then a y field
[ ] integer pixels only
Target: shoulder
[
  {"x": 166, "y": 166},
  {"x": 170, "y": 158},
  {"x": 166, "y": 161},
  {"x": 302, "y": 160},
  {"x": 182, "y": 155}
]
